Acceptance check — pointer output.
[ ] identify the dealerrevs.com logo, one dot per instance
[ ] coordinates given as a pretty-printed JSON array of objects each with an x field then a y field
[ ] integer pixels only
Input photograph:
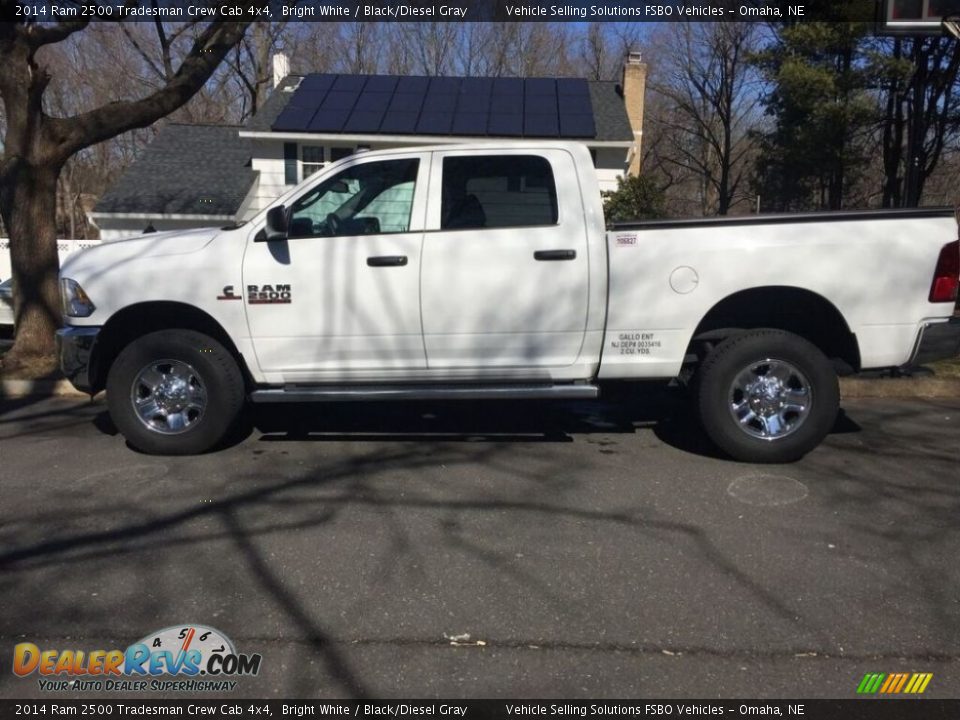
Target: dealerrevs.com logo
[{"x": 178, "y": 658}]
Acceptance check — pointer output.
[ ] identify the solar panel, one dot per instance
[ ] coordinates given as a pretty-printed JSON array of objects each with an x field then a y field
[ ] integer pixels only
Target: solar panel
[
  {"x": 581, "y": 126},
  {"x": 444, "y": 85},
  {"x": 540, "y": 86},
  {"x": 373, "y": 101},
  {"x": 434, "y": 123},
  {"x": 350, "y": 83},
  {"x": 572, "y": 86},
  {"x": 541, "y": 125},
  {"x": 473, "y": 104},
  {"x": 307, "y": 98},
  {"x": 508, "y": 86},
  {"x": 316, "y": 82},
  {"x": 511, "y": 107},
  {"x": 339, "y": 100},
  {"x": 472, "y": 86},
  {"x": 470, "y": 124},
  {"x": 294, "y": 119},
  {"x": 399, "y": 123},
  {"x": 406, "y": 102},
  {"x": 574, "y": 104},
  {"x": 501, "y": 124},
  {"x": 413, "y": 84},
  {"x": 440, "y": 103},
  {"x": 364, "y": 121},
  {"x": 381, "y": 84},
  {"x": 328, "y": 121}
]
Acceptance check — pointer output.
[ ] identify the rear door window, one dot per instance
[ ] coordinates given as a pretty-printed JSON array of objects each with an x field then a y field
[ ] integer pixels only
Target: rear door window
[{"x": 489, "y": 191}]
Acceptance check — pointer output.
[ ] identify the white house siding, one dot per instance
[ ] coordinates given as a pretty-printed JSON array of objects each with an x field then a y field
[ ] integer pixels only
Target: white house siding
[
  {"x": 611, "y": 163},
  {"x": 268, "y": 162},
  {"x": 117, "y": 228}
]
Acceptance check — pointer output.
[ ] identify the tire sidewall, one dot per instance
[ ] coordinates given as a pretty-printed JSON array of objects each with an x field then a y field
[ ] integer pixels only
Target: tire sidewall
[
  {"x": 217, "y": 370},
  {"x": 735, "y": 354}
]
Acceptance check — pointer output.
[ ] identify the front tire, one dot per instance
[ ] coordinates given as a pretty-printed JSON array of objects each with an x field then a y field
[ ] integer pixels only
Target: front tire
[
  {"x": 174, "y": 392},
  {"x": 767, "y": 396}
]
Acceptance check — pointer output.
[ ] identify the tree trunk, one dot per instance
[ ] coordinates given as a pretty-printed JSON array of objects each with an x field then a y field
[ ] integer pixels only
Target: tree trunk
[
  {"x": 28, "y": 205},
  {"x": 36, "y": 146}
]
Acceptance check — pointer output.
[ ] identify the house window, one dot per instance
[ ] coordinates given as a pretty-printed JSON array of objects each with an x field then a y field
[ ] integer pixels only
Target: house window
[
  {"x": 311, "y": 160},
  {"x": 339, "y": 153},
  {"x": 290, "y": 176}
]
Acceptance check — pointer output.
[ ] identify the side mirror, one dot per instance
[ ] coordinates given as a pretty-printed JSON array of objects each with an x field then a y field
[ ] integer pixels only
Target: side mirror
[{"x": 276, "y": 228}]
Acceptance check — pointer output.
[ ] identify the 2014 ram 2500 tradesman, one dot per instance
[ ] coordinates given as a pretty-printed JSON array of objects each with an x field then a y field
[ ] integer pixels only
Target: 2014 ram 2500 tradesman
[{"x": 485, "y": 271}]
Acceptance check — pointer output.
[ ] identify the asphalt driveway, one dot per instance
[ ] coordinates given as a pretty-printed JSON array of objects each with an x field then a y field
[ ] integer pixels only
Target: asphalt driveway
[{"x": 494, "y": 550}]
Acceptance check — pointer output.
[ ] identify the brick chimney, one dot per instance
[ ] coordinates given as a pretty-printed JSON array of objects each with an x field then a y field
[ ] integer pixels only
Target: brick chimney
[{"x": 634, "y": 86}]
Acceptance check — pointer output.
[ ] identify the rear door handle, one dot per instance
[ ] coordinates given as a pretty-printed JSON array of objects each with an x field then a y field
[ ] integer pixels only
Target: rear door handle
[
  {"x": 555, "y": 255},
  {"x": 387, "y": 261}
]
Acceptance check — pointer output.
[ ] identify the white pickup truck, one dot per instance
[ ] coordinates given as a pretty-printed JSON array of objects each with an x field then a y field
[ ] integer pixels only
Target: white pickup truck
[{"x": 485, "y": 271}]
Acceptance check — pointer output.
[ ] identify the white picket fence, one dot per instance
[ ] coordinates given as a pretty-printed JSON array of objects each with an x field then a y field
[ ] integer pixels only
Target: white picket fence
[{"x": 64, "y": 248}]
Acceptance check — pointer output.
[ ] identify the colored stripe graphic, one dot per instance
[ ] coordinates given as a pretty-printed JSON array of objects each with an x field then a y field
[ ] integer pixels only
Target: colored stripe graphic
[
  {"x": 870, "y": 683},
  {"x": 899, "y": 687},
  {"x": 894, "y": 683}
]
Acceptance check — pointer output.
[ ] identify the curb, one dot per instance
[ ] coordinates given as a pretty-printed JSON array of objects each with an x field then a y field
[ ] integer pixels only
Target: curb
[
  {"x": 917, "y": 387},
  {"x": 850, "y": 388}
]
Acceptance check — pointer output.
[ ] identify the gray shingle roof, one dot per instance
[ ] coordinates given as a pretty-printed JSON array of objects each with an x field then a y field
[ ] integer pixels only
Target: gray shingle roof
[
  {"x": 187, "y": 169},
  {"x": 609, "y": 112},
  {"x": 274, "y": 105}
]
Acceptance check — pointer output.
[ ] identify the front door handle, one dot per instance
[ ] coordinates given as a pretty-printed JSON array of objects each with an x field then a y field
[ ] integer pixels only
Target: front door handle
[
  {"x": 555, "y": 255},
  {"x": 387, "y": 261}
]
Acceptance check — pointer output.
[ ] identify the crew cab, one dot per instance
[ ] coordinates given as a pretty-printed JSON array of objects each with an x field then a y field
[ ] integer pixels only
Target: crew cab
[{"x": 486, "y": 271}]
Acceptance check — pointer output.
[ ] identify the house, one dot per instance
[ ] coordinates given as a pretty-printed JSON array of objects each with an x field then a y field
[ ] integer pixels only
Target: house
[
  {"x": 189, "y": 176},
  {"x": 196, "y": 175}
]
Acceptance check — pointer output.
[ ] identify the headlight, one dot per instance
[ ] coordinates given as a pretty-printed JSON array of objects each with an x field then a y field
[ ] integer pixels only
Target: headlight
[{"x": 74, "y": 299}]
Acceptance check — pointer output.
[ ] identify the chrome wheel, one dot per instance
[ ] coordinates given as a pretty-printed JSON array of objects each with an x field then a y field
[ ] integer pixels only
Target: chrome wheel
[
  {"x": 168, "y": 396},
  {"x": 770, "y": 399}
]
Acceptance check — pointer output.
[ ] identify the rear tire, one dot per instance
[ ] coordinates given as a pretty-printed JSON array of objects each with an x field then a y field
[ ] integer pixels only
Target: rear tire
[
  {"x": 767, "y": 396},
  {"x": 174, "y": 392}
]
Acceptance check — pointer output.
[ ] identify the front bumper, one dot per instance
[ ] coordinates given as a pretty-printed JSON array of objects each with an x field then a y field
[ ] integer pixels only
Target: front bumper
[
  {"x": 75, "y": 348},
  {"x": 937, "y": 341}
]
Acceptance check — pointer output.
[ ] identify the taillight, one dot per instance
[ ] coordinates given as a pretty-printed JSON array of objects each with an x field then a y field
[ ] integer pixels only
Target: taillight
[{"x": 946, "y": 278}]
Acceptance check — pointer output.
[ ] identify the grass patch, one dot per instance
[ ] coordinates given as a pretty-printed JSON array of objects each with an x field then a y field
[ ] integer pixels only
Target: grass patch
[{"x": 947, "y": 368}]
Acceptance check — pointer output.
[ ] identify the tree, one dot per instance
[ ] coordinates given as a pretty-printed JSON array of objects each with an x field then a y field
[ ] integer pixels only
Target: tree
[
  {"x": 707, "y": 82},
  {"x": 919, "y": 113},
  {"x": 822, "y": 109},
  {"x": 37, "y": 144},
  {"x": 636, "y": 198}
]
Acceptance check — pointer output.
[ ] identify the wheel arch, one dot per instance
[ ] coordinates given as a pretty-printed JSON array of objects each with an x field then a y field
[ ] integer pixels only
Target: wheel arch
[
  {"x": 134, "y": 321},
  {"x": 792, "y": 309}
]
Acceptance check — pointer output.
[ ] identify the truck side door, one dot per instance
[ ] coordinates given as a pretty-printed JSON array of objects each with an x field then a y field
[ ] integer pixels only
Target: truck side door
[
  {"x": 505, "y": 276},
  {"x": 350, "y": 269}
]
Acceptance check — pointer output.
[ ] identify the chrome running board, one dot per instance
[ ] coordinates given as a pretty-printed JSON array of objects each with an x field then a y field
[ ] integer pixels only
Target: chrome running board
[{"x": 346, "y": 393}]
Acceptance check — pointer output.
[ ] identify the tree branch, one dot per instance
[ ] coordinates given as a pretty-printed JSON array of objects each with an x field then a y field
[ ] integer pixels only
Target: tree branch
[
  {"x": 81, "y": 131},
  {"x": 39, "y": 35}
]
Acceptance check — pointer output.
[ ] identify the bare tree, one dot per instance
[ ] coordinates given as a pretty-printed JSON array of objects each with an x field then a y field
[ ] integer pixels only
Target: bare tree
[
  {"x": 603, "y": 47},
  {"x": 37, "y": 144},
  {"x": 919, "y": 113},
  {"x": 252, "y": 64},
  {"x": 711, "y": 102}
]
